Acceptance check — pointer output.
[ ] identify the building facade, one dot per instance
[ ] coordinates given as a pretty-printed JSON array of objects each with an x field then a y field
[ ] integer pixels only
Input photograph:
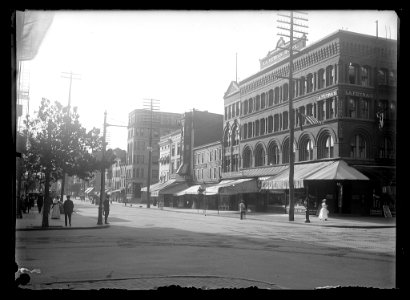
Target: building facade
[
  {"x": 139, "y": 125},
  {"x": 344, "y": 101}
]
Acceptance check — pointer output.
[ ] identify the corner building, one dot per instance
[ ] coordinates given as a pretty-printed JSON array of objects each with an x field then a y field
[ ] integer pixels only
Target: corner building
[{"x": 344, "y": 101}]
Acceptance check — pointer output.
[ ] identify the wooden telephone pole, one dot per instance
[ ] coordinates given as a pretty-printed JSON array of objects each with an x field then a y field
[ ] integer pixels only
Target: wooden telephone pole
[{"x": 291, "y": 36}]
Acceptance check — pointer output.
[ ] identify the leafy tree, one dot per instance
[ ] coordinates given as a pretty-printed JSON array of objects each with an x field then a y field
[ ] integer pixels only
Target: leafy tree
[{"x": 58, "y": 144}]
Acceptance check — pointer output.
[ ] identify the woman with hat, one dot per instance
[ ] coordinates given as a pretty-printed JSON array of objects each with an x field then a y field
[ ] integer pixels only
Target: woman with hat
[{"x": 324, "y": 213}]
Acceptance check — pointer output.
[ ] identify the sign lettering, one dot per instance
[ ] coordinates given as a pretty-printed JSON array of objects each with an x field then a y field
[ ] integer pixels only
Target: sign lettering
[
  {"x": 358, "y": 94},
  {"x": 327, "y": 95}
]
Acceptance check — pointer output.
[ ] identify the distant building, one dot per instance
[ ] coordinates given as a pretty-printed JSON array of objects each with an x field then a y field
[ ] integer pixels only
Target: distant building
[{"x": 139, "y": 125}]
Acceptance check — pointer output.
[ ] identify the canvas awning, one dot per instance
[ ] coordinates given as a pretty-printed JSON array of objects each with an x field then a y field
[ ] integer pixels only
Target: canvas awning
[
  {"x": 233, "y": 186},
  {"x": 173, "y": 188},
  {"x": 88, "y": 190},
  {"x": 155, "y": 188},
  {"x": 338, "y": 170},
  {"x": 301, "y": 172},
  {"x": 193, "y": 190}
]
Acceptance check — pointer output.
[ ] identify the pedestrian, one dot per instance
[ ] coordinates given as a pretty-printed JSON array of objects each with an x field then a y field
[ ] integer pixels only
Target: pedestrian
[
  {"x": 55, "y": 209},
  {"x": 324, "y": 213},
  {"x": 242, "y": 209},
  {"x": 68, "y": 210},
  {"x": 26, "y": 204},
  {"x": 40, "y": 202},
  {"x": 106, "y": 208}
]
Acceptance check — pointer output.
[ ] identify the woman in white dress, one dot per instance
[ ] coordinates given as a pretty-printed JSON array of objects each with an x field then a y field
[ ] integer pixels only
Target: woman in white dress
[
  {"x": 55, "y": 212},
  {"x": 324, "y": 213}
]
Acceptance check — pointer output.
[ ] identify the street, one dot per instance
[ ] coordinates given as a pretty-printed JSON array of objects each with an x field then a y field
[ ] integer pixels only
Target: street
[{"x": 148, "y": 248}]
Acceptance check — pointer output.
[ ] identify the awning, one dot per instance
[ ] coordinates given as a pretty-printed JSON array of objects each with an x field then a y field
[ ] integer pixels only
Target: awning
[
  {"x": 338, "y": 170},
  {"x": 193, "y": 190},
  {"x": 301, "y": 171},
  {"x": 385, "y": 175},
  {"x": 173, "y": 188},
  {"x": 88, "y": 190},
  {"x": 155, "y": 188},
  {"x": 232, "y": 187},
  {"x": 106, "y": 191}
]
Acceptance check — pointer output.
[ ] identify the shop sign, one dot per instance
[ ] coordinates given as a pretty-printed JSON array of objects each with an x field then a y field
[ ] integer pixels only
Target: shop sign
[
  {"x": 358, "y": 94},
  {"x": 327, "y": 95}
]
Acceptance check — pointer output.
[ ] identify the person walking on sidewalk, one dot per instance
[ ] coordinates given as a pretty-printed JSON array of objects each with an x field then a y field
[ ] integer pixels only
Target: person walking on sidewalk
[
  {"x": 40, "y": 202},
  {"x": 55, "y": 209},
  {"x": 324, "y": 213},
  {"x": 68, "y": 210},
  {"x": 106, "y": 208},
  {"x": 242, "y": 209}
]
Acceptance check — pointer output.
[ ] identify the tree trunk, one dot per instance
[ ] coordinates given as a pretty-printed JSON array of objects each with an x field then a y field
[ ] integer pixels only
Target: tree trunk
[
  {"x": 47, "y": 200},
  {"x": 62, "y": 187}
]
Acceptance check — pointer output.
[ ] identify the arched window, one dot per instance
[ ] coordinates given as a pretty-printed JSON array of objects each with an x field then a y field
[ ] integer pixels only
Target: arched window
[
  {"x": 276, "y": 123},
  {"x": 257, "y": 129},
  {"x": 270, "y": 97},
  {"x": 263, "y": 102},
  {"x": 358, "y": 147},
  {"x": 259, "y": 156},
  {"x": 250, "y": 133},
  {"x": 321, "y": 78},
  {"x": 250, "y": 105},
  {"x": 276, "y": 95},
  {"x": 309, "y": 83},
  {"x": 227, "y": 142},
  {"x": 353, "y": 73},
  {"x": 273, "y": 154},
  {"x": 325, "y": 146},
  {"x": 306, "y": 149},
  {"x": 245, "y": 107},
  {"x": 263, "y": 126},
  {"x": 285, "y": 92},
  {"x": 235, "y": 135},
  {"x": 285, "y": 120},
  {"x": 257, "y": 103},
  {"x": 270, "y": 124},
  {"x": 246, "y": 157},
  {"x": 245, "y": 131},
  {"x": 365, "y": 76},
  {"x": 302, "y": 83},
  {"x": 330, "y": 75},
  {"x": 382, "y": 76},
  {"x": 386, "y": 148}
]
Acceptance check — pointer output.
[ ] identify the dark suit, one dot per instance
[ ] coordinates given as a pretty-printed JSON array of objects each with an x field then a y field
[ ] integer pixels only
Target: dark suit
[{"x": 68, "y": 210}]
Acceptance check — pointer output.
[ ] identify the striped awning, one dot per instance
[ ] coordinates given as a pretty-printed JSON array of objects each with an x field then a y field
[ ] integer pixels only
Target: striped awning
[
  {"x": 89, "y": 190},
  {"x": 232, "y": 187}
]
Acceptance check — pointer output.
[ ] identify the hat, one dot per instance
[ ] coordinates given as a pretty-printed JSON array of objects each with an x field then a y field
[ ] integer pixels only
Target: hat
[{"x": 324, "y": 200}]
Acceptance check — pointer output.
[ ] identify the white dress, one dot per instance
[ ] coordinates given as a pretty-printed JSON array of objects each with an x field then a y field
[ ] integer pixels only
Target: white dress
[
  {"x": 324, "y": 213},
  {"x": 55, "y": 214}
]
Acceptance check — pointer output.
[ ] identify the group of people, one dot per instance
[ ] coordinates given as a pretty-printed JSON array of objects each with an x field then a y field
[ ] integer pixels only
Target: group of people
[{"x": 66, "y": 208}]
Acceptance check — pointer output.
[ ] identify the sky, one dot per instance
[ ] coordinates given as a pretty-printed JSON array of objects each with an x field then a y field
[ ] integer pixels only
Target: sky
[{"x": 184, "y": 59}]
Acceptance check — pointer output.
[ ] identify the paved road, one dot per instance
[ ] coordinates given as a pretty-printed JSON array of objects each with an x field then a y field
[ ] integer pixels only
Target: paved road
[{"x": 147, "y": 248}]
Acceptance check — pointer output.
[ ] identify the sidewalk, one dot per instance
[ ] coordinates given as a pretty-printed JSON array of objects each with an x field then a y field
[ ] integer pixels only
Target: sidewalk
[
  {"x": 33, "y": 221},
  {"x": 335, "y": 220}
]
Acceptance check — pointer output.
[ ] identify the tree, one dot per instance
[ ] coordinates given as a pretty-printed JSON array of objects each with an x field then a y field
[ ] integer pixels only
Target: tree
[{"x": 57, "y": 143}]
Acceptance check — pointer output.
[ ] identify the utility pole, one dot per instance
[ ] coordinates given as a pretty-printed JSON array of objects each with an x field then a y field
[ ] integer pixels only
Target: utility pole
[
  {"x": 151, "y": 105},
  {"x": 71, "y": 77},
  {"x": 102, "y": 189},
  {"x": 291, "y": 90}
]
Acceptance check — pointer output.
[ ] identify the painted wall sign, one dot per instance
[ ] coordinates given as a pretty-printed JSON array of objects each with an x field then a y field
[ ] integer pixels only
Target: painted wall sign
[
  {"x": 327, "y": 95},
  {"x": 358, "y": 94}
]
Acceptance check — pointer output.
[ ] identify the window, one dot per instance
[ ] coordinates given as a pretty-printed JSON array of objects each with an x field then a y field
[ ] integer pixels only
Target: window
[
  {"x": 302, "y": 86},
  {"x": 226, "y": 138},
  {"x": 330, "y": 108},
  {"x": 364, "y": 108},
  {"x": 325, "y": 146},
  {"x": 321, "y": 79},
  {"x": 358, "y": 147},
  {"x": 285, "y": 92},
  {"x": 245, "y": 107},
  {"x": 263, "y": 104},
  {"x": 276, "y": 123},
  {"x": 173, "y": 150},
  {"x": 285, "y": 154},
  {"x": 237, "y": 109},
  {"x": 246, "y": 156},
  {"x": 382, "y": 76},
  {"x": 321, "y": 110},
  {"x": 257, "y": 102},
  {"x": 245, "y": 131},
  {"x": 235, "y": 136},
  {"x": 270, "y": 124},
  {"x": 270, "y": 98},
  {"x": 259, "y": 156},
  {"x": 276, "y": 95},
  {"x": 257, "y": 128},
  {"x": 273, "y": 154},
  {"x": 392, "y": 78},
  {"x": 250, "y": 105},
  {"x": 285, "y": 120},
  {"x": 330, "y": 75},
  {"x": 351, "y": 107},
  {"x": 250, "y": 135},
  {"x": 353, "y": 71},
  {"x": 365, "y": 76},
  {"x": 306, "y": 149},
  {"x": 386, "y": 148},
  {"x": 309, "y": 83}
]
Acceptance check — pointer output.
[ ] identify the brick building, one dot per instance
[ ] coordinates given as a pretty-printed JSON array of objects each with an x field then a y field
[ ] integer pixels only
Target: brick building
[{"x": 345, "y": 84}]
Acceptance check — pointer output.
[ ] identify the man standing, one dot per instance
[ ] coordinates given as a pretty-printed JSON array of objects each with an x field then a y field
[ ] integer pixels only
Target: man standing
[
  {"x": 39, "y": 202},
  {"x": 106, "y": 208},
  {"x": 242, "y": 209},
  {"x": 68, "y": 210}
]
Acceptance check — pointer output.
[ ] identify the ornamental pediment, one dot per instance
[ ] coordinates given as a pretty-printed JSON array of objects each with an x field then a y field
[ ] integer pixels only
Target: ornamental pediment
[{"x": 232, "y": 89}]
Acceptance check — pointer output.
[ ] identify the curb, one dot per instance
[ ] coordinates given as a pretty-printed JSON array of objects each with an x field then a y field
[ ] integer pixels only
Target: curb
[{"x": 61, "y": 228}]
